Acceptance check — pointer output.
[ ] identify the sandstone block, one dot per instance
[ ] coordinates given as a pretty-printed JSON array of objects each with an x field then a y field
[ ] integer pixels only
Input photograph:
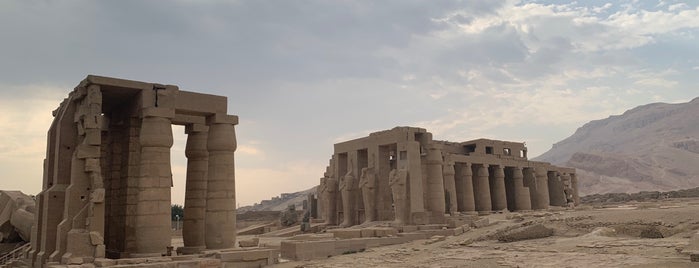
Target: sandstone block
[
  {"x": 96, "y": 238},
  {"x": 483, "y": 222},
  {"x": 102, "y": 262},
  {"x": 525, "y": 233},
  {"x": 346, "y": 233},
  {"x": 385, "y": 232},
  {"x": 254, "y": 242},
  {"x": 368, "y": 232}
]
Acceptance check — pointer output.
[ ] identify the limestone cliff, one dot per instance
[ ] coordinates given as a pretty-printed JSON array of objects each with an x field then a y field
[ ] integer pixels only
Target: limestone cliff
[{"x": 650, "y": 147}]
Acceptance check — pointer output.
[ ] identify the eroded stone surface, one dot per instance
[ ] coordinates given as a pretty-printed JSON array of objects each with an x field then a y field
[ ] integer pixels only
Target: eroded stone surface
[{"x": 107, "y": 173}]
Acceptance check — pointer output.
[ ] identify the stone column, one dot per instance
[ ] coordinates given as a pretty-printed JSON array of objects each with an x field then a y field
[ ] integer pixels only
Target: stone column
[
  {"x": 497, "y": 188},
  {"x": 193, "y": 225},
  {"x": 152, "y": 218},
  {"x": 435, "y": 184},
  {"x": 482, "y": 190},
  {"x": 522, "y": 200},
  {"x": 556, "y": 188},
  {"x": 450, "y": 186},
  {"x": 468, "y": 203},
  {"x": 542, "y": 190},
  {"x": 220, "y": 190},
  {"x": 530, "y": 182},
  {"x": 574, "y": 182}
]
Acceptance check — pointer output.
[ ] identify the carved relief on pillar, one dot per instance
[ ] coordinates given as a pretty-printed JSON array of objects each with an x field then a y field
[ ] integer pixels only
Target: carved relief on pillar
[
  {"x": 397, "y": 182},
  {"x": 367, "y": 184}
]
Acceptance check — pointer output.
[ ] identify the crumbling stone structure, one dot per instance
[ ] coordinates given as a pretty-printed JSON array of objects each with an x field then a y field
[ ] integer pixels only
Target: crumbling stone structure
[
  {"x": 16, "y": 216},
  {"x": 413, "y": 179},
  {"x": 107, "y": 174}
]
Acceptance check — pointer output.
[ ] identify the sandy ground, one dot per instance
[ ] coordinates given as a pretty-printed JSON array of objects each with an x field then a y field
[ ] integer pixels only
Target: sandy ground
[{"x": 603, "y": 237}]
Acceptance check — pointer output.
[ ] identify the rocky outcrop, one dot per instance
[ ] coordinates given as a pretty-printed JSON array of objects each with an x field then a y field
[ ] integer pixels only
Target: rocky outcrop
[{"x": 653, "y": 147}]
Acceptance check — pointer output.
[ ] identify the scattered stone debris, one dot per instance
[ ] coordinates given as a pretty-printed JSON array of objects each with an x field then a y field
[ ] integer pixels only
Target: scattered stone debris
[
  {"x": 254, "y": 242},
  {"x": 289, "y": 217},
  {"x": 480, "y": 223},
  {"x": 435, "y": 239},
  {"x": 640, "y": 196},
  {"x": 651, "y": 232},
  {"x": 526, "y": 233}
]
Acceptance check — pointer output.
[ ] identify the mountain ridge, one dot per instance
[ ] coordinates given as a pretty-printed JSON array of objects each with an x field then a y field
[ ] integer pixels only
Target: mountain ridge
[{"x": 649, "y": 147}]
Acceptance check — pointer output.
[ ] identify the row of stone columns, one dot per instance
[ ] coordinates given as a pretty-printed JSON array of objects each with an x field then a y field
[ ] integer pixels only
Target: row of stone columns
[
  {"x": 481, "y": 188},
  {"x": 470, "y": 188}
]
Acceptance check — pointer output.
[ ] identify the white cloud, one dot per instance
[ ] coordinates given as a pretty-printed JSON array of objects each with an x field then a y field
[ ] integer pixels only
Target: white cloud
[{"x": 677, "y": 6}]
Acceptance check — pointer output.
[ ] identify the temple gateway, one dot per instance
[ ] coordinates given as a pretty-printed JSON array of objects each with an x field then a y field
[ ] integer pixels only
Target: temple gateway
[
  {"x": 107, "y": 176},
  {"x": 403, "y": 175}
]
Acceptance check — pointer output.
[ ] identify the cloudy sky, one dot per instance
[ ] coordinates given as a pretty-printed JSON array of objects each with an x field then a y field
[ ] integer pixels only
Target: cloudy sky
[{"x": 303, "y": 75}]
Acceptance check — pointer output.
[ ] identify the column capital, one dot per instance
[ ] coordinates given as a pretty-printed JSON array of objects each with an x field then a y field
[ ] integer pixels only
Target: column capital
[{"x": 195, "y": 128}]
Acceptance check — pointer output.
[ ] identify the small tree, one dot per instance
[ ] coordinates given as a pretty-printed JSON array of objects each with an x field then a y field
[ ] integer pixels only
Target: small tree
[{"x": 177, "y": 210}]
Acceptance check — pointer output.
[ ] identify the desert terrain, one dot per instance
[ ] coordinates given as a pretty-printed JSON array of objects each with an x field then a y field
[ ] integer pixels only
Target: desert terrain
[{"x": 633, "y": 234}]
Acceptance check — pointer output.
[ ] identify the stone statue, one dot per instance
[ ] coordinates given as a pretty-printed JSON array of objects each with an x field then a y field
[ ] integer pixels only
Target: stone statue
[
  {"x": 329, "y": 200},
  {"x": 347, "y": 187},
  {"x": 367, "y": 183},
  {"x": 321, "y": 192},
  {"x": 397, "y": 180}
]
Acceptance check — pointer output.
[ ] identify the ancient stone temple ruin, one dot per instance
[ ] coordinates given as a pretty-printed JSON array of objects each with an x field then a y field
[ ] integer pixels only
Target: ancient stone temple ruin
[
  {"x": 402, "y": 175},
  {"x": 107, "y": 173}
]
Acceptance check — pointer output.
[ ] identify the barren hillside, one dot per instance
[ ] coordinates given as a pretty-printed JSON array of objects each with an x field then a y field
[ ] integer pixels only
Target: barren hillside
[{"x": 650, "y": 147}]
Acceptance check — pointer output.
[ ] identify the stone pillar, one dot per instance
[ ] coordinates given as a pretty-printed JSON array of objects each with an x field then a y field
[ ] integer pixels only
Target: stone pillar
[
  {"x": 574, "y": 182},
  {"x": 542, "y": 188},
  {"x": 152, "y": 218},
  {"x": 556, "y": 191},
  {"x": 497, "y": 188},
  {"x": 522, "y": 200},
  {"x": 193, "y": 225},
  {"x": 481, "y": 188},
  {"x": 530, "y": 183},
  {"x": 220, "y": 190},
  {"x": 435, "y": 184},
  {"x": 467, "y": 203},
  {"x": 450, "y": 186}
]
